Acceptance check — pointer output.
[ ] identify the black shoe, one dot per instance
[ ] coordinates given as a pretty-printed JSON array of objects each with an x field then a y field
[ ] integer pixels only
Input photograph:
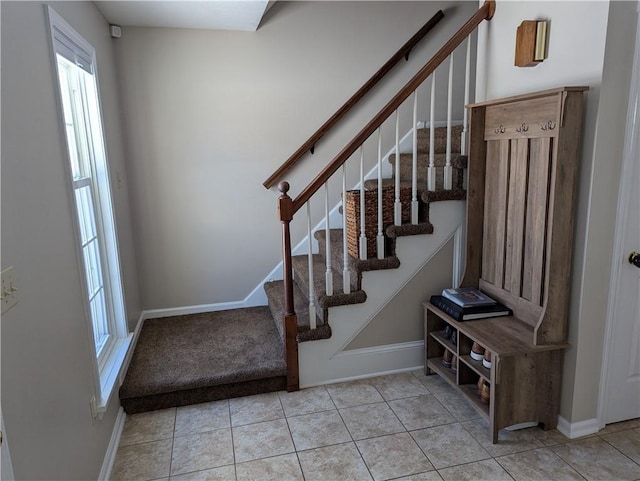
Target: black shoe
[
  {"x": 447, "y": 332},
  {"x": 454, "y": 337}
]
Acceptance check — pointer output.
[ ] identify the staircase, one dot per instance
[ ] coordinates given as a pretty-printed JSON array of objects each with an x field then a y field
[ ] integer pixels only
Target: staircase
[
  {"x": 326, "y": 298},
  {"x": 275, "y": 289},
  {"x": 197, "y": 358}
]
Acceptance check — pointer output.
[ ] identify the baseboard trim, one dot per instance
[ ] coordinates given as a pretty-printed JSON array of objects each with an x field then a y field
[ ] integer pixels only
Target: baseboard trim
[
  {"x": 366, "y": 376},
  {"x": 367, "y": 351},
  {"x": 579, "y": 429},
  {"x": 132, "y": 347},
  {"x": 112, "y": 449},
  {"x": 184, "y": 310},
  {"x": 374, "y": 361}
]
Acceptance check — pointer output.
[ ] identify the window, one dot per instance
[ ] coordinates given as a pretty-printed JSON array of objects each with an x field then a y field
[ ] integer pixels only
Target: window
[{"x": 75, "y": 67}]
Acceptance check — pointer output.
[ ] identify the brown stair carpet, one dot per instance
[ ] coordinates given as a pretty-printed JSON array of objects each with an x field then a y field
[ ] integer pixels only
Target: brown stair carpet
[
  {"x": 196, "y": 358},
  {"x": 275, "y": 295}
]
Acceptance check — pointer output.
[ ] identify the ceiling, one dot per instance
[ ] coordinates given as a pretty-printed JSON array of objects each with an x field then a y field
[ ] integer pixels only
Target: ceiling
[{"x": 212, "y": 15}]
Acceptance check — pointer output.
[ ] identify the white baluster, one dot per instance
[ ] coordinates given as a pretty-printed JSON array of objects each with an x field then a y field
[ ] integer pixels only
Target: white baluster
[
  {"x": 328, "y": 274},
  {"x": 363, "y": 225},
  {"x": 431, "y": 171},
  {"x": 467, "y": 80},
  {"x": 380, "y": 237},
  {"x": 397, "y": 206},
  {"x": 346, "y": 275},
  {"x": 312, "y": 294},
  {"x": 448, "y": 171},
  {"x": 414, "y": 170}
]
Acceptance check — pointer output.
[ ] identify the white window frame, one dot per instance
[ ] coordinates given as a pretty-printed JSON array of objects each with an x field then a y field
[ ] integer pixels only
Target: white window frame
[{"x": 76, "y": 52}]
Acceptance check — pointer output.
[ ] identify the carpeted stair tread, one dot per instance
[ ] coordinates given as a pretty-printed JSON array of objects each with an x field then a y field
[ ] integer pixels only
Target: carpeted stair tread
[
  {"x": 339, "y": 298},
  {"x": 355, "y": 265},
  {"x": 441, "y": 195},
  {"x": 458, "y": 161},
  {"x": 394, "y": 231},
  {"x": 275, "y": 295},
  {"x": 197, "y": 352},
  {"x": 440, "y": 139}
]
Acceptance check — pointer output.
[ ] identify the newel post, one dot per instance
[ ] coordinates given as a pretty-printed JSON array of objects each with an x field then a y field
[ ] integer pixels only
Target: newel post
[{"x": 285, "y": 212}]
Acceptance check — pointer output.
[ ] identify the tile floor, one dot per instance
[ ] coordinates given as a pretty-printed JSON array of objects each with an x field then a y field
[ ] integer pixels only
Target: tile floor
[{"x": 403, "y": 426}]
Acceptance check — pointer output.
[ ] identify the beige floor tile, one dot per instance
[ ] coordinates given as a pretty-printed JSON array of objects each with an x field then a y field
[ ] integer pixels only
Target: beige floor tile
[
  {"x": 421, "y": 412},
  {"x": 509, "y": 442},
  {"x": 196, "y": 452},
  {"x": 436, "y": 385},
  {"x": 538, "y": 465},
  {"x": 306, "y": 401},
  {"x": 621, "y": 426},
  {"x": 627, "y": 442},
  {"x": 449, "y": 445},
  {"x": 262, "y": 440},
  {"x": 398, "y": 386},
  {"x": 318, "y": 429},
  {"x": 594, "y": 459},
  {"x": 200, "y": 418},
  {"x": 353, "y": 393},
  {"x": 371, "y": 420},
  {"x": 550, "y": 437},
  {"x": 142, "y": 461},
  {"x": 150, "y": 426},
  {"x": 255, "y": 409},
  {"x": 393, "y": 456},
  {"x": 487, "y": 470},
  {"x": 223, "y": 473},
  {"x": 429, "y": 476},
  {"x": 279, "y": 468},
  {"x": 334, "y": 463},
  {"x": 457, "y": 405}
]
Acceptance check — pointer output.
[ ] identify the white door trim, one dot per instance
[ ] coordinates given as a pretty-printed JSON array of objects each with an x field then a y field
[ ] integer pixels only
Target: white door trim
[{"x": 631, "y": 153}]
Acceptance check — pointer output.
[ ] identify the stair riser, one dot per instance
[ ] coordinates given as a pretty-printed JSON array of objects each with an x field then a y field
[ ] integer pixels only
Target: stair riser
[{"x": 202, "y": 395}]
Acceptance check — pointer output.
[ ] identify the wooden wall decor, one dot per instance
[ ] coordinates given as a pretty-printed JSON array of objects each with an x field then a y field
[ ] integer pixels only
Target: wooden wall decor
[{"x": 531, "y": 43}]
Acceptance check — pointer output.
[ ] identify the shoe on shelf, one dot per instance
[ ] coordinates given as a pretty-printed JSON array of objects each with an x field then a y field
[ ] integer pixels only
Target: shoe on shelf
[
  {"x": 454, "y": 337},
  {"x": 477, "y": 352},
  {"x": 479, "y": 385},
  {"x": 454, "y": 364},
  {"x": 486, "y": 361},
  {"x": 446, "y": 358},
  {"x": 448, "y": 331},
  {"x": 485, "y": 393}
]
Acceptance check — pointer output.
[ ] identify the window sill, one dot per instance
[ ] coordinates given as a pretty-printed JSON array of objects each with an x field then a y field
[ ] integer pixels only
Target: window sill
[{"x": 110, "y": 374}]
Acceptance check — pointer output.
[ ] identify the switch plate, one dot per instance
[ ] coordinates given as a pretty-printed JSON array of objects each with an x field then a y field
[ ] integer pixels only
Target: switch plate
[{"x": 8, "y": 290}]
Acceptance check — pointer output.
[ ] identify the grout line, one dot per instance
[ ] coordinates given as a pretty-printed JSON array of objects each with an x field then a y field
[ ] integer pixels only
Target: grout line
[{"x": 175, "y": 417}]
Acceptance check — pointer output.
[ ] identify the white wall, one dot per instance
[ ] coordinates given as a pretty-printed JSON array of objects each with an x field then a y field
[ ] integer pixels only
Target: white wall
[
  {"x": 211, "y": 114},
  {"x": 402, "y": 319},
  {"x": 47, "y": 377},
  {"x": 580, "y": 33}
]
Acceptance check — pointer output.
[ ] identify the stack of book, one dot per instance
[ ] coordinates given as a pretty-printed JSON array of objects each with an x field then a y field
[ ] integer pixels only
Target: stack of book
[{"x": 467, "y": 303}]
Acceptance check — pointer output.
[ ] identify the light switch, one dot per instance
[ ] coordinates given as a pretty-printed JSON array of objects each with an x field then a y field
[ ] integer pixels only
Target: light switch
[{"x": 9, "y": 291}]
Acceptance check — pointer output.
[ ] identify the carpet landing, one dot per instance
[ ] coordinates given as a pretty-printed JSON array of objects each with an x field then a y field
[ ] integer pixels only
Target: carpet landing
[{"x": 197, "y": 358}]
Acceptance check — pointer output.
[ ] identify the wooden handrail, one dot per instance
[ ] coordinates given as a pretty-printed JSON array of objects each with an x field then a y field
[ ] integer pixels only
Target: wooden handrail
[
  {"x": 484, "y": 13},
  {"x": 355, "y": 98}
]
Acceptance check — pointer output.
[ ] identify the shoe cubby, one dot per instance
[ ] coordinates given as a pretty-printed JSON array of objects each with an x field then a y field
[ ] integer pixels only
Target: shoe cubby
[{"x": 523, "y": 380}]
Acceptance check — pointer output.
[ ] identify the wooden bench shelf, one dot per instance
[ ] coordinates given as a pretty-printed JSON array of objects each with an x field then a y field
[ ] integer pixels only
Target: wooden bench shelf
[{"x": 522, "y": 169}]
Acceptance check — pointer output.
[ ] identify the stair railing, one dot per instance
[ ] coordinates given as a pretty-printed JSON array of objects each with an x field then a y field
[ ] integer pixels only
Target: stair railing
[
  {"x": 311, "y": 142},
  {"x": 288, "y": 207}
]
